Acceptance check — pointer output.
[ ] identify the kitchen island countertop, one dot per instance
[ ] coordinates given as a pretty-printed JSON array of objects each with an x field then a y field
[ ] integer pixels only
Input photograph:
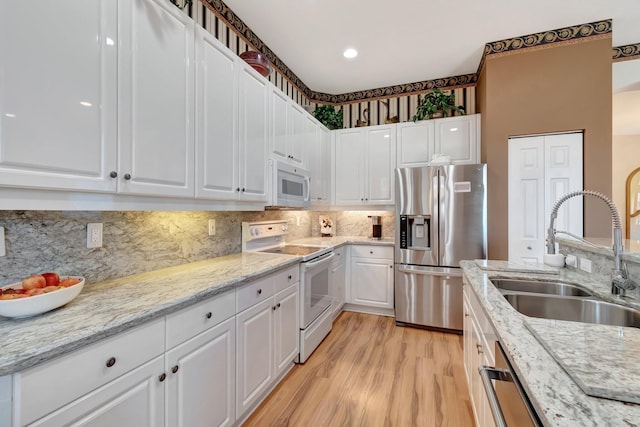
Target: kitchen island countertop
[{"x": 556, "y": 398}]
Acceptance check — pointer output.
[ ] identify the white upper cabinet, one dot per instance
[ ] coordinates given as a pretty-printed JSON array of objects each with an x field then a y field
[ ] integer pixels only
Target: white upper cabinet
[
  {"x": 58, "y": 71},
  {"x": 217, "y": 144},
  {"x": 287, "y": 134},
  {"x": 253, "y": 119},
  {"x": 457, "y": 137},
  {"x": 365, "y": 160},
  {"x": 155, "y": 99},
  {"x": 319, "y": 161},
  {"x": 231, "y": 124}
]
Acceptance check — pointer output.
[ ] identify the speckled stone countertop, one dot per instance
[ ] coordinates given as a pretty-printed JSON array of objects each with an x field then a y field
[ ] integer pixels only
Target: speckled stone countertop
[
  {"x": 556, "y": 398},
  {"x": 337, "y": 241},
  {"x": 107, "y": 308}
]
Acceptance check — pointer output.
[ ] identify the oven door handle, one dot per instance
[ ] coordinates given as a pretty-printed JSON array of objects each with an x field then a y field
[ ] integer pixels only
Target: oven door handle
[
  {"x": 323, "y": 258},
  {"x": 488, "y": 373}
]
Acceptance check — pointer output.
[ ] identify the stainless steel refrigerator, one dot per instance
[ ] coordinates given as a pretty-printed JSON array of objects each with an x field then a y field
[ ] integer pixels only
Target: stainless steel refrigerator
[{"x": 441, "y": 219}]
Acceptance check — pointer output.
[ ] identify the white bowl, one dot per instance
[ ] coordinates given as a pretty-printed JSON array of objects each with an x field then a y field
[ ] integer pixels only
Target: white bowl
[{"x": 30, "y": 306}]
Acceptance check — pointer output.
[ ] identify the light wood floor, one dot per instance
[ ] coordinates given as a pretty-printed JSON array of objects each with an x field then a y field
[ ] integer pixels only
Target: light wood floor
[{"x": 369, "y": 372}]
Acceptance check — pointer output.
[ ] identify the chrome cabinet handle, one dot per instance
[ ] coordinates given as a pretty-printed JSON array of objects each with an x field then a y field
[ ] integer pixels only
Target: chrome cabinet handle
[
  {"x": 487, "y": 374},
  {"x": 111, "y": 362}
]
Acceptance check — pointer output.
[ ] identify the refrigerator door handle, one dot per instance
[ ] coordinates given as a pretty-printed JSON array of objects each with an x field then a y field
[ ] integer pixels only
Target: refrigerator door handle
[{"x": 429, "y": 272}]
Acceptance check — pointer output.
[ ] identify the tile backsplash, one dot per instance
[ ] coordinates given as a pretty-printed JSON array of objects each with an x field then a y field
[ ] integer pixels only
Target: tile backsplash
[{"x": 136, "y": 242}]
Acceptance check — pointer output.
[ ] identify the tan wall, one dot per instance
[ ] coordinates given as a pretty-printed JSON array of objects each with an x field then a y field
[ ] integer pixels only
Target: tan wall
[
  {"x": 626, "y": 158},
  {"x": 555, "y": 89}
]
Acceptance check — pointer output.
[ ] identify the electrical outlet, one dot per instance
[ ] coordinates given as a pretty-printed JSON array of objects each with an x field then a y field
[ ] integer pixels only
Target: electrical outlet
[
  {"x": 585, "y": 264},
  {"x": 212, "y": 227},
  {"x": 298, "y": 221},
  {"x": 3, "y": 248},
  {"x": 94, "y": 235}
]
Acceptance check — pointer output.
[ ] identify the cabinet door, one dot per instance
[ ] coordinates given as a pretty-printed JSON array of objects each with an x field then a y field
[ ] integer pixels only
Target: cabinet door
[
  {"x": 415, "y": 143},
  {"x": 155, "y": 99},
  {"x": 58, "y": 112},
  {"x": 349, "y": 167},
  {"x": 372, "y": 282},
  {"x": 319, "y": 157},
  {"x": 381, "y": 162},
  {"x": 201, "y": 391},
  {"x": 457, "y": 137},
  {"x": 299, "y": 134},
  {"x": 280, "y": 130},
  {"x": 338, "y": 278},
  {"x": 217, "y": 160},
  {"x": 253, "y": 101},
  {"x": 287, "y": 328},
  {"x": 254, "y": 357},
  {"x": 134, "y": 399}
]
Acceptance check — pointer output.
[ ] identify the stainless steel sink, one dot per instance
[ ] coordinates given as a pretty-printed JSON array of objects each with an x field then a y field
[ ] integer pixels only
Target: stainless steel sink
[
  {"x": 586, "y": 310},
  {"x": 540, "y": 287}
]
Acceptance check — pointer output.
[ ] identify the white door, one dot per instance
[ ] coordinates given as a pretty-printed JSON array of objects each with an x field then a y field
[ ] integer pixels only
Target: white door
[
  {"x": 253, "y": 116},
  {"x": 319, "y": 163},
  {"x": 58, "y": 86},
  {"x": 217, "y": 161},
  {"x": 287, "y": 328},
  {"x": 381, "y": 162},
  {"x": 372, "y": 282},
  {"x": 254, "y": 354},
  {"x": 201, "y": 391},
  {"x": 415, "y": 143},
  {"x": 299, "y": 134},
  {"x": 541, "y": 170},
  {"x": 279, "y": 132},
  {"x": 458, "y": 137},
  {"x": 155, "y": 105},
  {"x": 349, "y": 167}
]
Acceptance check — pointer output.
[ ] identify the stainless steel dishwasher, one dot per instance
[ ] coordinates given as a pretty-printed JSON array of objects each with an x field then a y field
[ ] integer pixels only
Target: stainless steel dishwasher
[{"x": 509, "y": 403}]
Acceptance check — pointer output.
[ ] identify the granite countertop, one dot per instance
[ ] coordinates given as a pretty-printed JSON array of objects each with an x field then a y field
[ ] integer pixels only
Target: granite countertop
[
  {"x": 336, "y": 241},
  {"x": 107, "y": 308},
  {"x": 557, "y": 398}
]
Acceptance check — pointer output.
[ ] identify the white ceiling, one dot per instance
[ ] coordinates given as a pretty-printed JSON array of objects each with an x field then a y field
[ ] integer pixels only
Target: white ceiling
[{"x": 406, "y": 41}]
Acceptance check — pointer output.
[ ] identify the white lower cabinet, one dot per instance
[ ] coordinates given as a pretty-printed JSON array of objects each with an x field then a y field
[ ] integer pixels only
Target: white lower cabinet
[
  {"x": 267, "y": 342},
  {"x": 371, "y": 278},
  {"x": 338, "y": 280},
  {"x": 479, "y": 344},
  {"x": 201, "y": 379}
]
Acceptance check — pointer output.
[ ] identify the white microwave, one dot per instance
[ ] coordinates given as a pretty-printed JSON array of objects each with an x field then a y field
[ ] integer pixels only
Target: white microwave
[{"x": 290, "y": 185}]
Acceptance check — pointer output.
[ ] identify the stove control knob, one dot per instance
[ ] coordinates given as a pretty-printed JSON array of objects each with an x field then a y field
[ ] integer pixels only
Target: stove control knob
[
  {"x": 284, "y": 228},
  {"x": 257, "y": 232}
]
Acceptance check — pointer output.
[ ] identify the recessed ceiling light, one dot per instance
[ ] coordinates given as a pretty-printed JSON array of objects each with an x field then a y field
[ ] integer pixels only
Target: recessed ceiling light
[{"x": 350, "y": 53}]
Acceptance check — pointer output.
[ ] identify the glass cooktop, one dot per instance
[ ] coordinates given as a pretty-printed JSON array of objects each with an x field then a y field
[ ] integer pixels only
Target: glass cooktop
[{"x": 294, "y": 250}]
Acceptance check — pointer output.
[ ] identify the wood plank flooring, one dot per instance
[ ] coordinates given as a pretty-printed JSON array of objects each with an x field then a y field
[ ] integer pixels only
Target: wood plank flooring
[{"x": 369, "y": 372}]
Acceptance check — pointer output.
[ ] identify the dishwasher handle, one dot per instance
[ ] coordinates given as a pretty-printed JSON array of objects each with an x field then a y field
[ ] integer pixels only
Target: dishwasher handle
[
  {"x": 430, "y": 272},
  {"x": 488, "y": 373}
]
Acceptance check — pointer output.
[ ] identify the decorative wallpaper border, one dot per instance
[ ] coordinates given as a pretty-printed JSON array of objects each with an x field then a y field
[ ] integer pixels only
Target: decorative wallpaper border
[
  {"x": 572, "y": 34},
  {"x": 626, "y": 52},
  {"x": 536, "y": 40}
]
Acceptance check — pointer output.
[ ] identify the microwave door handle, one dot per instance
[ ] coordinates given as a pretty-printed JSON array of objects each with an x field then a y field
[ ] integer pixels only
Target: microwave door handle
[
  {"x": 487, "y": 374},
  {"x": 307, "y": 179}
]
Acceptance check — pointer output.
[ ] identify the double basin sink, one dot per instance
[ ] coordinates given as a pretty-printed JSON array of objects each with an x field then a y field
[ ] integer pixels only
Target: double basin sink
[{"x": 564, "y": 301}]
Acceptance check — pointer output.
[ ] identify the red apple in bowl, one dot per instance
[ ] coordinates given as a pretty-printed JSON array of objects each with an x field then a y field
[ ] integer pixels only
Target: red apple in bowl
[{"x": 52, "y": 279}]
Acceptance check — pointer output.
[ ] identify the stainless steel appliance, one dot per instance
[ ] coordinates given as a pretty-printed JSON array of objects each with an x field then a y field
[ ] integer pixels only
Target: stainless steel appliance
[
  {"x": 289, "y": 186},
  {"x": 440, "y": 220},
  {"x": 315, "y": 296},
  {"x": 509, "y": 403}
]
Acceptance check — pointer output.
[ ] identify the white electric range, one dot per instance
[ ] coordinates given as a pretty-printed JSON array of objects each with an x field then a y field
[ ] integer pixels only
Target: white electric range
[{"x": 315, "y": 278}]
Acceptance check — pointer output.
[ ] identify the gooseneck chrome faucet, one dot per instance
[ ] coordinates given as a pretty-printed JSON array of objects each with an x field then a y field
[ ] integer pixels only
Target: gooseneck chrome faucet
[{"x": 620, "y": 281}]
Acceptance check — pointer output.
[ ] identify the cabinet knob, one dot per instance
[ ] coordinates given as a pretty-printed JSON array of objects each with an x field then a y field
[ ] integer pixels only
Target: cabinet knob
[
  {"x": 175, "y": 369},
  {"x": 274, "y": 308},
  {"x": 243, "y": 189},
  {"x": 127, "y": 176},
  {"x": 391, "y": 266},
  {"x": 238, "y": 189},
  {"x": 162, "y": 377},
  {"x": 259, "y": 291},
  {"x": 208, "y": 315},
  {"x": 479, "y": 348},
  {"x": 365, "y": 199},
  {"x": 289, "y": 277},
  {"x": 278, "y": 305},
  {"x": 466, "y": 314},
  {"x": 113, "y": 174},
  {"x": 371, "y": 252},
  {"x": 111, "y": 362}
]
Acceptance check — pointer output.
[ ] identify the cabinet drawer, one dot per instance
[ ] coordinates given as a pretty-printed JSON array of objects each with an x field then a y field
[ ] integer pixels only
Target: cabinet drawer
[
  {"x": 189, "y": 322},
  {"x": 44, "y": 388},
  {"x": 286, "y": 278},
  {"x": 372, "y": 251},
  {"x": 255, "y": 292}
]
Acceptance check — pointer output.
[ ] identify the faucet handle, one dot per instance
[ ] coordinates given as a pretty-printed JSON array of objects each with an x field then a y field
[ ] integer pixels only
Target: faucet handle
[{"x": 620, "y": 281}]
